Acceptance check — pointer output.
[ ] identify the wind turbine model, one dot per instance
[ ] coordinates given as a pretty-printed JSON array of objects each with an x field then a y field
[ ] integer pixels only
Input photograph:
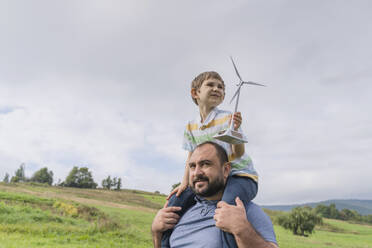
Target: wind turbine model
[{"x": 230, "y": 135}]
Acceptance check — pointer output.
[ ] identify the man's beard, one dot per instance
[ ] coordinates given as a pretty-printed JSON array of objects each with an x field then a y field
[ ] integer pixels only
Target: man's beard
[{"x": 212, "y": 188}]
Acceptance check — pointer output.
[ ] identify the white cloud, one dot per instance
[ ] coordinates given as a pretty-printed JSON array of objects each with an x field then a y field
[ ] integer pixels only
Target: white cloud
[{"x": 107, "y": 85}]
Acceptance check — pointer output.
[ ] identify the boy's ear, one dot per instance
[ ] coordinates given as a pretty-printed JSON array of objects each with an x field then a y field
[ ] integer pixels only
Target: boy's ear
[{"x": 194, "y": 93}]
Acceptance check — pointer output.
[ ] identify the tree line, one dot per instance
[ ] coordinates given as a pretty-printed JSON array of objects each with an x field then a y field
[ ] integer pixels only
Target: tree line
[
  {"x": 77, "y": 178},
  {"x": 302, "y": 220},
  {"x": 332, "y": 212}
]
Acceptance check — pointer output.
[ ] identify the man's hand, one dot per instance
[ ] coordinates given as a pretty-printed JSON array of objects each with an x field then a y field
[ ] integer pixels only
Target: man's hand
[
  {"x": 233, "y": 219},
  {"x": 165, "y": 219},
  {"x": 230, "y": 218}
]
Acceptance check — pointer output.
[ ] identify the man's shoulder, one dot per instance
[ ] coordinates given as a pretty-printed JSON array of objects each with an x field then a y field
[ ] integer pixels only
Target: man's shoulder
[
  {"x": 260, "y": 221},
  {"x": 253, "y": 207},
  {"x": 255, "y": 212},
  {"x": 256, "y": 216}
]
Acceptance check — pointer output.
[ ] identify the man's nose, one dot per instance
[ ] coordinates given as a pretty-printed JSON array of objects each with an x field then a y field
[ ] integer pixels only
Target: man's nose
[{"x": 198, "y": 170}]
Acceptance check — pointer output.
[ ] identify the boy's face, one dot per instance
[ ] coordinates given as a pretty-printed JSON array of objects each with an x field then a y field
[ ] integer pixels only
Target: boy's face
[{"x": 211, "y": 93}]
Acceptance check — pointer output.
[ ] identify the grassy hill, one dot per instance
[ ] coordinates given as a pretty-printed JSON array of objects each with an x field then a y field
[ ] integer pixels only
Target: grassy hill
[
  {"x": 41, "y": 216},
  {"x": 364, "y": 207}
]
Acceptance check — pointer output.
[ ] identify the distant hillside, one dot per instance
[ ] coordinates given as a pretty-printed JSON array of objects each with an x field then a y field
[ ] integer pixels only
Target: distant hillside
[{"x": 364, "y": 207}]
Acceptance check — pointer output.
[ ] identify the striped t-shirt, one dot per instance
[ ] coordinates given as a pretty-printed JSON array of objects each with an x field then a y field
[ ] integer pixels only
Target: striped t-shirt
[{"x": 197, "y": 132}]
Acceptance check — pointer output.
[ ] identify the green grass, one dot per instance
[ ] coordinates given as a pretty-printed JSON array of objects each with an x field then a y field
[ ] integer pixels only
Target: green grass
[
  {"x": 127, "y": 197},
  {"x": 155, "y": 198},
  {"x": 347, "y": 236},
  {"x": 33, "y": 221},
  {"x": 24, "y": 198},
  {"x": 30, "y": 218}
]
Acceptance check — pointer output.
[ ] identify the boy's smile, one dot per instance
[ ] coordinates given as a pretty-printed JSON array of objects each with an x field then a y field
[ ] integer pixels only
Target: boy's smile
[{"x": 211, "y": 93}]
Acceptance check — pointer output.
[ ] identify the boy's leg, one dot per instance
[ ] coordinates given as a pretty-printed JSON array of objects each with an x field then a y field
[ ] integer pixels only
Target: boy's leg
[
  {"x": 246, "y": 189},
  {"x": 185, "y": 201}
]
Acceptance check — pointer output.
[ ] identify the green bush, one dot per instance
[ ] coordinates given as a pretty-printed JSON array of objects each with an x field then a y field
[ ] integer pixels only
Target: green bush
[{"x": 301, "y": 221}]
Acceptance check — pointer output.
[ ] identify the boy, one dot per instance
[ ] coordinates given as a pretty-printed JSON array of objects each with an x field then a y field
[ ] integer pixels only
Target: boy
[{"x": 207, "y": 92}]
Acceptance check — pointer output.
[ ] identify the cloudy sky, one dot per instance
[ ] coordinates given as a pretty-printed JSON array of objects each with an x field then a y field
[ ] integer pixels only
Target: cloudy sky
[{"x": 105, "y": 84}]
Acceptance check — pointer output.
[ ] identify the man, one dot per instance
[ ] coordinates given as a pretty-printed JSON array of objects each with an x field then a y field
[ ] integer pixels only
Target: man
[{"x": 201, "y": 225}]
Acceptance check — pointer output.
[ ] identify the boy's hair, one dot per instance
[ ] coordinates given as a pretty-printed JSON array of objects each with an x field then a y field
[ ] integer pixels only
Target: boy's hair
[{"x": 198, "y": 81}]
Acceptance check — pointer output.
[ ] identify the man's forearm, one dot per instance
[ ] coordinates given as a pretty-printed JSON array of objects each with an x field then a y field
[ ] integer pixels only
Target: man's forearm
[{"x": 248, "y": 237}]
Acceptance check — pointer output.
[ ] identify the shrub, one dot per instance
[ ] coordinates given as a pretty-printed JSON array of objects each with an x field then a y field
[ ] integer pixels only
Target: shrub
[
  {"x": 66, "y": 209},
  {"x": 301, "y": 221},
  {"x": 80, "y": 178},
  {"x": 43, "y": 176}
]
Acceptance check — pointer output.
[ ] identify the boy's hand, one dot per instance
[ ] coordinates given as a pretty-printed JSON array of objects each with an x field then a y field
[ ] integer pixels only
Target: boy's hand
[
  {"x": 237, "y": 120},
  {"x": 179, "y": 189}
]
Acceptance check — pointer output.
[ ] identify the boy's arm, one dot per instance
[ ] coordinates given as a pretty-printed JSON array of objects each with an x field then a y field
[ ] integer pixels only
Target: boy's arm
[
  {"x": 237, "y": 150},
  {"x": 185, "y": 180}
]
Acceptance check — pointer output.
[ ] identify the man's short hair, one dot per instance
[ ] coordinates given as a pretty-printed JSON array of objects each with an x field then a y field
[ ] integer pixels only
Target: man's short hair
[
  {"x": 198, "y": 81},
  {"x": 221, "y": 152}
]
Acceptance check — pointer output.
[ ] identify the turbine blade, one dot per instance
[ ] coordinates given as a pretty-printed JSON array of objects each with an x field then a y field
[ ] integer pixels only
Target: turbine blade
[
  {"x": 254, "y": 83},
  {"x": 236, "y": 93},
  {"x": 236, "y": 70}
]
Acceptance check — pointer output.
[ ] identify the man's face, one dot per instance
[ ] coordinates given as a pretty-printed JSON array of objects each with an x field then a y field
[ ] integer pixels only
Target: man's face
[
  {"x": 207, "y": 176},
  {"x": 211, "y": 93}
]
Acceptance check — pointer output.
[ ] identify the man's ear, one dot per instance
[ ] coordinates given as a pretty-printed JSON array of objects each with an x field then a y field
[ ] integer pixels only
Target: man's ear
[{"x": 226, "y": 169}]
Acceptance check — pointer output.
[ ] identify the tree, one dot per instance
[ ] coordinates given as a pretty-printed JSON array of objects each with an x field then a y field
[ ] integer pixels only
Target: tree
[
  {"x": 114, "y": 182},
  {"x": 72, "y": 178},
  {"x": 347, "y": 214},
  {"x": 118, "y": 184},
  {"x": 175, "y": 186},
  {"x": 328, "y": 211},
  {"x": 323, "y": 210},
  {"x": 107, "y": 183},
  {"x": 6, "y": 178},
  {"x": 301, "y": 221},
  {"x": 43, "y": 176},
  {"x": 80, "y": 178},
  {"x": 19, "y": 175},
  {"x": 333, "y": 212}
]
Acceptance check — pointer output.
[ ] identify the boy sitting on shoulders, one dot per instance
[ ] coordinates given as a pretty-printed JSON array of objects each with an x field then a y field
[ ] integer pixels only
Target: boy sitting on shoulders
[{"x": 207, "y": 92}]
